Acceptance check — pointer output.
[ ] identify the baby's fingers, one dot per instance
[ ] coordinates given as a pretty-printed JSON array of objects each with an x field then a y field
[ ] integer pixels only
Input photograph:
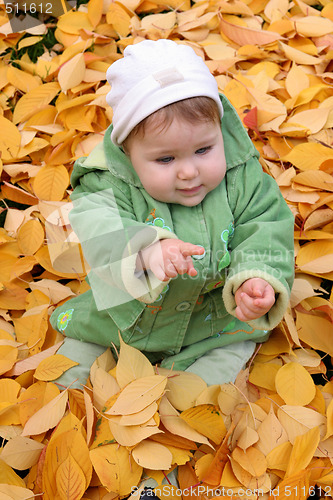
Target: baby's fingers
[
  {"x": 188, "y": 249},
  {"x": 191, "y": 271}
]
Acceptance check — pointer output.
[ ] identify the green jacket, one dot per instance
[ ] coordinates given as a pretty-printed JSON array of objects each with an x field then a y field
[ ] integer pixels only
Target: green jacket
[{"x": 244, "y": 225}]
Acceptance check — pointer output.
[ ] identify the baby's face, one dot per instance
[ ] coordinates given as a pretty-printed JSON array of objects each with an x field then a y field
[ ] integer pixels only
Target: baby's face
[{"x": 180, "y": 164}]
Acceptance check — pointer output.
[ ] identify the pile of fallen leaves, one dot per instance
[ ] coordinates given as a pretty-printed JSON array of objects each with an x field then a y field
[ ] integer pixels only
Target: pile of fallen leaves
[{"x": 269, "y": 435}]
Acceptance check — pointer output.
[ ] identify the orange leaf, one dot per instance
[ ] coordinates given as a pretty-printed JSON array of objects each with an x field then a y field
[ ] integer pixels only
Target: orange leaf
[
  {"x": 71, "y": 481},
  {"x": 30, "y": 237},
  {"x": 77, "y": 469},
  {"x": 47, "y": 417},
  {"x": 51, "y": 182},
  {"x": 247, "y": 36}
]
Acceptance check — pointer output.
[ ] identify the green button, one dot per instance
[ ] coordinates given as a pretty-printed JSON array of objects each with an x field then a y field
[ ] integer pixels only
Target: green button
[{"x": 183, "y": 306}]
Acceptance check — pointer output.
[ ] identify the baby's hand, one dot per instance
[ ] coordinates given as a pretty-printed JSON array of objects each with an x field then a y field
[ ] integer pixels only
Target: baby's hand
[
  {"x": 167, "y": 258},
  {"x": 254, "y": 298}
]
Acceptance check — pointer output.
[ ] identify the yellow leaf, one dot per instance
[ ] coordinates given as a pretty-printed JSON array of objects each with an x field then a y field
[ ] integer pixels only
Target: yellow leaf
[
  {"x": 179, "y": 456},
  {"x": 303, "y": 451},
  {"x": 21, "y": 79},
  {"x": 21, "y": 452},
  {"x": 119, "y": 19},
  {"x": 202, "y": 466},
  {"x": 309, "y": 121},
  {"x": 35, "y": 100},
  {"x": 276, "y": 9},
  {"x": 71, "y": 481},
  {"x": 297, "y": 420},
  {"x": 229, "y": 398},
  {"x": 316, "y": 257},
  {"x": 263, "y": 375},
  {"x": 209, "y": 395},
  {"x": 278, "y": 457},
  {"x": 318, "y": 218},
  {"x": 11, "y": 491},
  {"x": 43, "y": 257},
  {"x": 51, "y": 182},
  {"x": 151, "y": 455},
  {"x": 251, "y": 460},
  {"x": 8, "y": 476},
  {"x": 295, "y": 385},
  {"x": 131, "y": 365},
  {"x": 247, "y": 438},
  {"x": 30, "y": 237},
  {"x": 315, "y": 179},
  {"x": 47, "y": 417},
  {"x": 271, "y": 433},
  {"x": 53, "y": 366},
  {"x": 159, "y": 22},
  {"x": 52, "y": 289},
  {"x": 104, "y": 386},
  {"x": 183, "y": 387},
  {"x": 22, "y": 266},
  {"x": 313, "y": 26},
  {"x": 298, "y": 56},
  {"x": 207, "y": 420},
  {"x": 9, "y": 390},
  {"x": 10, "y": 139},
  {"x": 34, "y": 398},
  {"x": 72, "y": 72},
  {"x": 33, "y": 361},
  {"x": 116, "y": 469},
  {"x": 31, "y": 328},
  {"x": 295, "y": 487},
  {"x": 60, "y": 446},
  {"x": 329, "y": 431},
  {"x": 79, "y": 118},
  {"x": 138, "y": 394},
  {"x": 74, "y": 22},
  {"x": 174, "y": 424},
  {"x": 8, "y": 356},
  {"x": 95, "y": 11},
  {"x": 137, "y": 418},
  {"x": 133, "y": 434},
  {"x": 268, "y": 106}
]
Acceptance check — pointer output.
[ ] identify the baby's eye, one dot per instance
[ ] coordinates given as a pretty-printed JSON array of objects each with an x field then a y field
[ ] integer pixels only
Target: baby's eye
[
  {"x": 165, "y": 159},
  {"x": 202, "y": 151}
]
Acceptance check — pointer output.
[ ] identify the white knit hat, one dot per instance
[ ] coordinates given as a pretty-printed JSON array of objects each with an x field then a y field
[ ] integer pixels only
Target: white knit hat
[{"x": 151, "y": 75}]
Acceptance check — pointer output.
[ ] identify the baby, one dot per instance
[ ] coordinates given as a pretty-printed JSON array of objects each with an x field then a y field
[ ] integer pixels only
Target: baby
[{"x": 190, "y": 244}]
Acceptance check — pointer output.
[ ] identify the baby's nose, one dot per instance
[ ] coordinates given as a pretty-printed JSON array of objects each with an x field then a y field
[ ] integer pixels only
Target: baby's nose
[{"x": 187, "y": 170}]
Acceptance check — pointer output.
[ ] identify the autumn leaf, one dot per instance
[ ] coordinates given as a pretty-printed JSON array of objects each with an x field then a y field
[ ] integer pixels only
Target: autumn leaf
[
  {"x": 272, "y": 60},
  {"x": 53, "y": 366},
  {"x": 47, "y": 417},
  {"x": 294, "y": 384},
  {"x": 138, "y": 394}
]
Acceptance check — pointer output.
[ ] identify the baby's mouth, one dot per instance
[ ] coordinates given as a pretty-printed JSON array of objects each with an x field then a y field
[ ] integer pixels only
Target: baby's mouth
[{"x": 192, "y": 190}]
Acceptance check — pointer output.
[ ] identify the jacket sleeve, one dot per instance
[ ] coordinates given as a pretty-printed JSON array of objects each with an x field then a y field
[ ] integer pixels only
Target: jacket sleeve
[
  {"x": 103, "y": 219},
  {"x": 262, "y": 245}
]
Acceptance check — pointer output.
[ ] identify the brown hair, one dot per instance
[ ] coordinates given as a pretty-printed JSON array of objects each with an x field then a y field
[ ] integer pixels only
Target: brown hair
[{"x": 201, "y": 109}]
